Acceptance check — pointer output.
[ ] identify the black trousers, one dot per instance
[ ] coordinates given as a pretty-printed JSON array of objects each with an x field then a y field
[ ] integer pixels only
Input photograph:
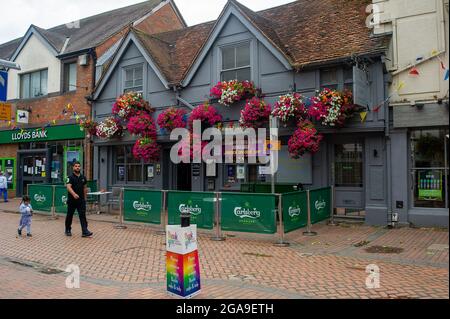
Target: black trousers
[{"x": 80, "y": 207}]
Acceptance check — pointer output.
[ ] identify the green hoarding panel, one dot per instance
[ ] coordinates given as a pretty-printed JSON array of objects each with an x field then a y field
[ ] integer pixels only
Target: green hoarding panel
[
  {"x": 61, "y": 199},
  {"x": 320, "y": 200},
  {"x": 295, "y": 211},
  {"x": 41, "y": 197},
  {"x": 142, "y": 206},
  {"x": 253, "y": 213},
  {"x": 199, "y": 204}
]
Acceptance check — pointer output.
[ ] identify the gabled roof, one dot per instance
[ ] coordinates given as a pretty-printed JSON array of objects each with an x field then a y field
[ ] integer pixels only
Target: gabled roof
[
  {"x": 92, "y": 31},
  {"x": 300, "y": 33}
]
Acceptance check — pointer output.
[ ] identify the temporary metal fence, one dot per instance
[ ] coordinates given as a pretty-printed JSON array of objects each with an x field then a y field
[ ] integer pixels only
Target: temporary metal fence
[{"x": 218, "y": 211}]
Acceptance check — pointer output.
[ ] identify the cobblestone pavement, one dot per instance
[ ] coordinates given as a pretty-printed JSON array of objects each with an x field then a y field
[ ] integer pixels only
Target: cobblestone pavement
[{"x": 130, "y": 263}]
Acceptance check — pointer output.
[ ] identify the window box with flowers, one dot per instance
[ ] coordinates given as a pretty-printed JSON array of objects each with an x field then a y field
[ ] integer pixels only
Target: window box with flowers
[{"x": 229, "y": 92}]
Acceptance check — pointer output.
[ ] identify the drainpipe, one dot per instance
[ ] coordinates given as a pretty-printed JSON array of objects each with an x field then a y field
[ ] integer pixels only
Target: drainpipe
[{"x": 388, "y": 158}]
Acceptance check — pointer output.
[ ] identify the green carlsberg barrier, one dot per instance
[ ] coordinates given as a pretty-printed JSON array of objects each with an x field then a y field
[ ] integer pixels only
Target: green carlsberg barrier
[
  {"x": 199, "y": 205},
  {"x": 254, "y": 213},
  {"x": 142, "y": 206}
]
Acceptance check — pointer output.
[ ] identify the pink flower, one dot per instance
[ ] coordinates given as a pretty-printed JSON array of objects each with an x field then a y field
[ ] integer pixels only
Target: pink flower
[
  {"x": 172, "y": 118},
  {"x": 142, "y": 124},
  {"x": 146, "y": 149},
  {"x": 305, "y": 139},
  {"x": 205, "y": 113},
  {"x": 255, "y": 113}
]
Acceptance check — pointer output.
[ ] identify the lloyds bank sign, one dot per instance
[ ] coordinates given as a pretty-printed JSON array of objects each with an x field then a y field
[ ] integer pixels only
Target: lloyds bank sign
[{"x": 51, "y": 133}]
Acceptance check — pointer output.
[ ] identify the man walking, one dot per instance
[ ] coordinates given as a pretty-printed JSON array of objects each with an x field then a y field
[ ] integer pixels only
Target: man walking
[
  {"x": 77, "y": 191},
  {"x": 3, "y": 186}
]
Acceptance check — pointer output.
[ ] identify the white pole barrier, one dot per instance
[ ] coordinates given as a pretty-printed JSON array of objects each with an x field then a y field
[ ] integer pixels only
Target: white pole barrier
[
  {"x": 281, "y": 243},
  {"x": 218, "y": 236},
  {"x": 308, "y": 231}
]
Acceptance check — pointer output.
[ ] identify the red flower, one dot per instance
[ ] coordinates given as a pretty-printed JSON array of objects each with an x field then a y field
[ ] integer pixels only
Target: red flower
[
  {"x": 146, "y": 149},
  {"x": 129, "y": 105},
  {"x": 255, "y": 113},
  {"x": 205, "y": 113},
  {"x": 305, "y": 139},
  {"x": 172, "y": 118},
  {"x": 142, "y": 124}
]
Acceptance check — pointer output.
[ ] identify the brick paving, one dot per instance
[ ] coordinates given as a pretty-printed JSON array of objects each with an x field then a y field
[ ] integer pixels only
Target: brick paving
[{"x": 130, "y": 263}]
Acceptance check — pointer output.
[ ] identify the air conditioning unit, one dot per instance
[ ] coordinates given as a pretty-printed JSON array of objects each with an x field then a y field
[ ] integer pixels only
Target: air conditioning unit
[{"x": 83, "y": 60}]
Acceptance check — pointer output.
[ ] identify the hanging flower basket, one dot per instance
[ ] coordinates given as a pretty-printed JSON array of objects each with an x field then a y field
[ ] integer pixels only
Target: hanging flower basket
[
  {"x": 172, "y": 118},
  {"x": 205, "y": 113},
  {"x": 290, "y": 107},
  {"x": 89, "y": 126},
  {"x": 332, "y": 108},
  {"x": 109, "y": 128},
  {"x": 229, "y": 92},
  {"x": 146, "y": 149},
  {"x": 129, "y": 104},
  {"x": 142, "y": 124},
  {"x": 305, "y": 140},
  {"x": 255, "y": 114}
]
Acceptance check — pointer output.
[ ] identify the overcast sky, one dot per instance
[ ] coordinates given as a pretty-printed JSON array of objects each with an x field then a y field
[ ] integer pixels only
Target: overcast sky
[{"x": 19, "y": 14}]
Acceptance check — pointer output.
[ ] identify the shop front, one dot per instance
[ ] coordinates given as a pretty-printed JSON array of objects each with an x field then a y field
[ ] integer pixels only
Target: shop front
[
  {"x": 421, "y": 154},
  {"x": 44, "y": 155}
]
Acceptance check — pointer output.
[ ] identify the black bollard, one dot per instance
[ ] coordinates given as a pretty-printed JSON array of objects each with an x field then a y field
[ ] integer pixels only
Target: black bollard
[{"x": 185, "y": 219}]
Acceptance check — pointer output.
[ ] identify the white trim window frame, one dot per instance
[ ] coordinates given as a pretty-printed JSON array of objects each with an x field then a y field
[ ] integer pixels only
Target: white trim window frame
[
  {"x": 136, "y": 82},
  {"x": 236, "y": 65},
  {"x": 31, "y": 90}
]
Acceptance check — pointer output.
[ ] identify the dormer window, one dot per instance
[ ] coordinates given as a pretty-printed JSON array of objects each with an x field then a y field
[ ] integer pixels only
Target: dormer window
[
  {"x": 33, "y": 84},
  {"x": 133, "y": 79},
  {"x": 236, "y": 62}
]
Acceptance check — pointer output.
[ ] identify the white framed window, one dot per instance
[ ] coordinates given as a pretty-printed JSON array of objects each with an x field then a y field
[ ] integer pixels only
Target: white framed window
[
  {"x": 33, "y": 84},
  {"x": 70, "y": 77},
  {"x": 133, "y": 79},
  {"x": 236, "y": 62}
]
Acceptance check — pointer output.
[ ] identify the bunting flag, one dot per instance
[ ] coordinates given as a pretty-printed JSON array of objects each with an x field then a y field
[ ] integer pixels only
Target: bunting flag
[
  {"x": 414, "y": 72},
  {"x": 363, "y": 116},
  {"x": 376, "y": 109},
  {"x": 443, "y": 67},
  {"x": 400, "y": 86},
  {"x": 446, "y": 75},
  {"x": 419, "y": 58}
]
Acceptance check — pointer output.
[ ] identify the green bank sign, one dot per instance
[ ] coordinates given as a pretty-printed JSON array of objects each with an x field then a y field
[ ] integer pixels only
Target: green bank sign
[{"x": 51, "y": 133}]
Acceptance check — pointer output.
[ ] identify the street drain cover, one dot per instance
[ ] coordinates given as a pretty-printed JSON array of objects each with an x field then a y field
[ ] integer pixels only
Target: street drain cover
[
  {"x": 384, "y": 250},
  {"x": 21, "y": 264}
]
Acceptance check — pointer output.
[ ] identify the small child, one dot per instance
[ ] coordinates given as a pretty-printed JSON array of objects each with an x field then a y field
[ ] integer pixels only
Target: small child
[{"x": 26, "y": 211}]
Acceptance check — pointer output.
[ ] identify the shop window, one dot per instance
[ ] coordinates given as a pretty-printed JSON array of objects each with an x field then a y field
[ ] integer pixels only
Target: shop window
[
  {"x": 348, "y": 164},
  {"x": 429, "y": 157},
  {"x": 328, "y": 79},
  {"x": 236, "y": 63},
  {"x": 133, "y": 79},
  {"x": 127, "y": 169},
  {"x": 70, "y": 77},
  {"x": 33, "y": 84}
]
